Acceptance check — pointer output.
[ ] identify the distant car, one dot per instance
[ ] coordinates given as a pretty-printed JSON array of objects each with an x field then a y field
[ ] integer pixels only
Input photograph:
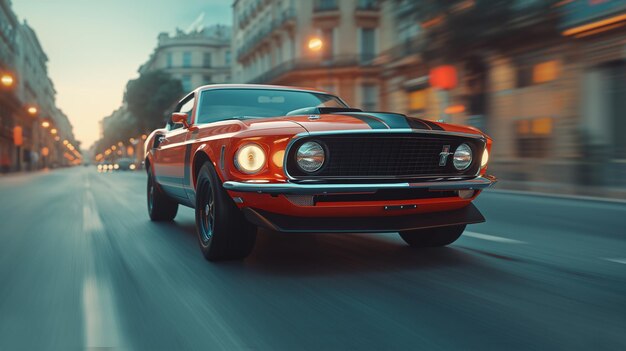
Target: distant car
[
  {"x": 105, "y": 167},
  {"x": 125, "y": 164},
  {"x": 300, "y": 160}
]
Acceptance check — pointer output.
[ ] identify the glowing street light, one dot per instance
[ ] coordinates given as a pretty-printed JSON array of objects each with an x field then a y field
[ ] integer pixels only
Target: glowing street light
[
  {"x": 7, "y": 80},
  {"x": 32, "y": 110},
  {"x": 57, "y": 138},
  {"x": 45, "y": 124},
  {"x": 316, "y": 44},
  {"x": 53, "y": 131}
]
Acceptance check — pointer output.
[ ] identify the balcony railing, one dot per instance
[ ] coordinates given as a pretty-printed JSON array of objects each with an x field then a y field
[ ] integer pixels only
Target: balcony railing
[
  {"x": 341, "y": 61},
  {"x": 253, "y": 41}
]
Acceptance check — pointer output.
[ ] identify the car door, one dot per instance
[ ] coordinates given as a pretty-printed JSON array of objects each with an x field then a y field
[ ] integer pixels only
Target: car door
[{"x": 171, "y": 154}]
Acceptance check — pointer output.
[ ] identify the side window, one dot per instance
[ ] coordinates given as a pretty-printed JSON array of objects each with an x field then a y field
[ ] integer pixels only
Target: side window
[{"x": 185, "y": 106}]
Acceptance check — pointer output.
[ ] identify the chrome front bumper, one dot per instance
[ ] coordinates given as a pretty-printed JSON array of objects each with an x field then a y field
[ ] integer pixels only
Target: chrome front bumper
[{"x": 477, "y": 183}]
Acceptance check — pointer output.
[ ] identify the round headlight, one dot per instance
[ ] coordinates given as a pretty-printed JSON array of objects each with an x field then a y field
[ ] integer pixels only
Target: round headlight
[
  {"x": 250, "y": 158},
  {"x": 485, "y": 159},
  {"x": 310, "y": 156},
  {"x": 462, "y": 157}
]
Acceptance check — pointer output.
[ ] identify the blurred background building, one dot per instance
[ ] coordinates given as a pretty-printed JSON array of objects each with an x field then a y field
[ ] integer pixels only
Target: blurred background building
[
  {"x": 544, "y": 78},
  {"x": 34, "y": 133},
  {"x": 329, "y": 44},
  {"x": 199, "y": 56}
]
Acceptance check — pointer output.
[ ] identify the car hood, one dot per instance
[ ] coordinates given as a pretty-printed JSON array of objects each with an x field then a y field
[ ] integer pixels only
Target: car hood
[{"x": 373, "y": 121}]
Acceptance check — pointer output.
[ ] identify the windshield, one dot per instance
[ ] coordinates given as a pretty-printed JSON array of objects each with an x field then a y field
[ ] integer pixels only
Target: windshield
[{"x": 222, "y": 104}]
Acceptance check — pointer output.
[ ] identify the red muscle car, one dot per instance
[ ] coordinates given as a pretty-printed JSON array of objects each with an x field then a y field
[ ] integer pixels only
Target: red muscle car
[{"x": 300, "y": 160}]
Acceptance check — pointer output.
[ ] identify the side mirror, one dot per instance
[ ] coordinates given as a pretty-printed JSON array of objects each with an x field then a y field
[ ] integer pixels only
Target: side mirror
[{"x": 180, "y": 118}]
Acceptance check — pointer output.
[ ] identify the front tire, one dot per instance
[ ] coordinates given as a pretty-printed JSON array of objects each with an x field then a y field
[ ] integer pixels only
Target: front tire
[
  {"x": 223, "y": 232},
  {"x": 160, "y": 207},
  {"x": 433, "y": 237}
]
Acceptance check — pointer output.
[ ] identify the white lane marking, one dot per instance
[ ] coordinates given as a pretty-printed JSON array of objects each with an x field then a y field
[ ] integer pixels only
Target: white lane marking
[
  {"x": 99, "y": 312},
  {"x": 91, "y": 219},
  {"x": 99, "y": 316},
  {"x": 494, "y": 238},
  {"x": 616, "y": 260}
]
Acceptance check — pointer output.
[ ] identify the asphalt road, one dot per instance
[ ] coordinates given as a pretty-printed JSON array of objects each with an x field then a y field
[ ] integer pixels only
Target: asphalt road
[{"x": 81, "y": 266}]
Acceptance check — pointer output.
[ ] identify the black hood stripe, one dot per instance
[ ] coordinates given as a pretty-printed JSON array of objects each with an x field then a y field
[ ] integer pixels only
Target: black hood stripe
[
  {"x": 417, "y": 123},
  {"x": 373, "y": 122},
  {"x": 433, "y": 126},
  {"x": 387, "y": 120}
]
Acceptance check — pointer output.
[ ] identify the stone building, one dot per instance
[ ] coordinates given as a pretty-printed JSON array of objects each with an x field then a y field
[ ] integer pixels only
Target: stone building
[
  {"x": 34, "y": 133},
  {"x": 327, "y": 44},
  {"x": 198, "y": 57},
  {"x": 548, "y": 87},
  {"x": 10, "y": 105}
]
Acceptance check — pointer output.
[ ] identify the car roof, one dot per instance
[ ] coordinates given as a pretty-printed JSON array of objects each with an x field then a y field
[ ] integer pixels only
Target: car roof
[{"x": 259, "y": 86}]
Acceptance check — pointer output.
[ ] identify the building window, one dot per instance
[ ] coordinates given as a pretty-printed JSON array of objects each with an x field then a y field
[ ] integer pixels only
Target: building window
[
  {"x": 227, "y": 57},
  {"x": 186, "y": 59},
  {"x": 542, "y": 72},
  {"x": 368, "y": 44},
  {"x": 418, "y": 100},
  {"x": 533, "y": 137},
  {"x": 170, "y": 60},
  {"x": 328, "y": 43},
  {"x": 545, "y": 72},
  {"x": 369, "y": 97},
  {"x": 206, "y": 60},
  {"x": 367, "y": 5},
  {"x": 186, "y": 82},
  {"x": 326, "y": 5}
]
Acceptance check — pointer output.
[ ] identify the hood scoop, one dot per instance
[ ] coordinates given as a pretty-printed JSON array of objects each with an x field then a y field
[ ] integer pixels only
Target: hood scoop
[{"x": 321, "y": 110}]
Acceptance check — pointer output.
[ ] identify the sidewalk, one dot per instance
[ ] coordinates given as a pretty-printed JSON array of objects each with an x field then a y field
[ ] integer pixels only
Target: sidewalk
[{"x": 596, "y": 193}]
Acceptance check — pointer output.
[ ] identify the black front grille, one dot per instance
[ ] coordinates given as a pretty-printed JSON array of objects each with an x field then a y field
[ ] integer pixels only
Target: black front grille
[{"x": 387, "y": 156}]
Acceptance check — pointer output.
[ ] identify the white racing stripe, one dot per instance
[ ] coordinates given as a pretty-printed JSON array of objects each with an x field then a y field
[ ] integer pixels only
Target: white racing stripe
[
  {"x": 616, "y": 260},
  {"x": 99, "y": 312},
  {"x": 494, "y": 238}
]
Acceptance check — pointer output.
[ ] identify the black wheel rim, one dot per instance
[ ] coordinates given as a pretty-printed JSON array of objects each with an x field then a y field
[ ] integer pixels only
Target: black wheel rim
[
  {"x": 207, "y": 213},
  {"x": 150, "y": 194}
]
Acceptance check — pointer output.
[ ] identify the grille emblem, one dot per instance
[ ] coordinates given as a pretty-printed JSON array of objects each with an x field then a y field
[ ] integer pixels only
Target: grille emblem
[{"x": 443, "y": 155}]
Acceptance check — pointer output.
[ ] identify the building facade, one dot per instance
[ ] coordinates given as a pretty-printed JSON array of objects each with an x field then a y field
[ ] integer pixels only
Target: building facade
[
  {"x": 549, "y": 92},
  {"x": 10, "y": 105},
  {"x": 326, "y": 44},
  {"x": 34, "y": 133},
  {"x": 196, "y": 58}
]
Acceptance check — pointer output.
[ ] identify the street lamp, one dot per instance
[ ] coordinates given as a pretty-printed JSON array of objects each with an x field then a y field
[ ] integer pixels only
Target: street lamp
[
  {"x": 53, "y": 131},
  {"x": 7, "y": 80},
  {"x": 315, "y": 44},
  {"x": 32, "y": 110},
  {"x": 45, "y": 124}
]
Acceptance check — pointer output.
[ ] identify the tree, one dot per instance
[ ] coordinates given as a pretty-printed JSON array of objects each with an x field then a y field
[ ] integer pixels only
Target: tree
[{"x": 149, "y": 97}]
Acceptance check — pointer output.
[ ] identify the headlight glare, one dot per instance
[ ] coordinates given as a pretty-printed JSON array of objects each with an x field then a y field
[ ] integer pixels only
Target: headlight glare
[
  {"x": 462, "y": 157},
  {"x": 250, "y": 158},
  {"x": 310, "y": 156}
]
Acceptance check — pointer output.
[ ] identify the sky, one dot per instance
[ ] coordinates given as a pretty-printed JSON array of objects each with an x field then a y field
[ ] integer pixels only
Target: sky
[{"x": 94, "y": 47}]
